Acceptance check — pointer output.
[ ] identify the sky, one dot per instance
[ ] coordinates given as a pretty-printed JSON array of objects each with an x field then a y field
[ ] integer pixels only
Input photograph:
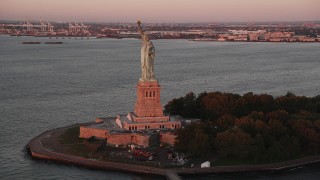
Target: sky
[{"x": 161, "y": 11}]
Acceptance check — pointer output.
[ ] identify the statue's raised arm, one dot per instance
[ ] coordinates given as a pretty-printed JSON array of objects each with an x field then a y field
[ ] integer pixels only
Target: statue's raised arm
[
  {"x": 144, "y": 37},
  {"x": 139, "y": 27},
  {"x": 147, "y": 56}
]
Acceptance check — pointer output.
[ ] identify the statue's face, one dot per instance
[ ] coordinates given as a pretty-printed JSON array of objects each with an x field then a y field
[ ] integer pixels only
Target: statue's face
[{"x": 145, "y": 38}]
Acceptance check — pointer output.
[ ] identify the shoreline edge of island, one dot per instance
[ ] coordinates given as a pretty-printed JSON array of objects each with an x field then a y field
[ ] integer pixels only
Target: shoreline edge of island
[{"x": 37, "y": 151}]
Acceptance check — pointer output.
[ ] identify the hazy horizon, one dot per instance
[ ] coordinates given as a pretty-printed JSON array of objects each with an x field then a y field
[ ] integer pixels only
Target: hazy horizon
[{"x": 161, "y": 11}]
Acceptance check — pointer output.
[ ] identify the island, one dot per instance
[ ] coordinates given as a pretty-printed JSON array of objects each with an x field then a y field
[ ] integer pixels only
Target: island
[{"x": 212, "y": 132}]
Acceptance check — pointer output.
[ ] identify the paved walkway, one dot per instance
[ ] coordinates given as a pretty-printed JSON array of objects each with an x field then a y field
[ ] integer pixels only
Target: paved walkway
[
  {"x": 38, "y": 151},
  {"x": 172, "y": 175}
]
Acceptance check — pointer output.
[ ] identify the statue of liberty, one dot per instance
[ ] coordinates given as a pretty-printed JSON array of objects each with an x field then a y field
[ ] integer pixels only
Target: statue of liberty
[{"x": 147, "y": 56}]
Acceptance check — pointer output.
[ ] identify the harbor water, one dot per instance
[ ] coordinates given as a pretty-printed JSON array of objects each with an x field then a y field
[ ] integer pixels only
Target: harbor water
[{"x": 45, "y": 86}]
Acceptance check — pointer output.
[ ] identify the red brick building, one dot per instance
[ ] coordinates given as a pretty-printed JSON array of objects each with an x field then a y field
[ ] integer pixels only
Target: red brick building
[{"x": 146, "y": 126}]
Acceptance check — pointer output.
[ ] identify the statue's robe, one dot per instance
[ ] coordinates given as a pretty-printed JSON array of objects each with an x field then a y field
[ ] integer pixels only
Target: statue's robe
[{"x": 147, "y": 61}]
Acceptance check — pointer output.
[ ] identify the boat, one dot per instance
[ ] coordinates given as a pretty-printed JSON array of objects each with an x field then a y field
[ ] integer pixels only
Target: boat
[
  {"x": 53, "y": 42},
  {"x": 33, "y": 42}
]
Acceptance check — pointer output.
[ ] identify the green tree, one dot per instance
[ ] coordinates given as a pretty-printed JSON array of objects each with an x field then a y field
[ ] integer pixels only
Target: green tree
[
  {"x": 200, "y": 145},
  {"x": 233, "y": 143}
]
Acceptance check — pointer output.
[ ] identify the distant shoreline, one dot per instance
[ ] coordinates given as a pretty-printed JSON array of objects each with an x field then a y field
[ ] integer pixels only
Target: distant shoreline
[
  {"x": 254, "y": 41},
  {"x": 193, "y": 40},
  {"x": 37, "y": 151}
]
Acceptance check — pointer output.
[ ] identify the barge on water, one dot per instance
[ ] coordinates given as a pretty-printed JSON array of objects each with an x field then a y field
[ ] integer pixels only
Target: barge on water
[
  {"x": 31, "y": 42},
  {"x": 53, "y": 42}
]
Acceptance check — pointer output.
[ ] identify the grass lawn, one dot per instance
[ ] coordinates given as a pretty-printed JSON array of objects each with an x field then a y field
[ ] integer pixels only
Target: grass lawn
[
  {"x": 79, "y": 150},
  {"x": 71, "y": 136},
  {"x": 72, "y": 143}
]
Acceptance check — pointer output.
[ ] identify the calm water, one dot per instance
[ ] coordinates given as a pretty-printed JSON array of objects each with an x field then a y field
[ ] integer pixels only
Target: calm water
[{"x": 48, "y": 86}]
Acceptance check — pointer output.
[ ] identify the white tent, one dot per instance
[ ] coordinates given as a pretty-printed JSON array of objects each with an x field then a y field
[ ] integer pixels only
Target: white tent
[{"x": 205, "y": 164}]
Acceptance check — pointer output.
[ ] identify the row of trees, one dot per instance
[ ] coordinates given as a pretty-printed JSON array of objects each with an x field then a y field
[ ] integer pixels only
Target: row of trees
[
  {"x": 211, "y": 106},
  {"x": 259, "y": 128}
]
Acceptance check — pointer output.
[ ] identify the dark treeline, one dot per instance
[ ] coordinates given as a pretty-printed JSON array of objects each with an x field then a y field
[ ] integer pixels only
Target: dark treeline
[{"x": 258, "y": 128}]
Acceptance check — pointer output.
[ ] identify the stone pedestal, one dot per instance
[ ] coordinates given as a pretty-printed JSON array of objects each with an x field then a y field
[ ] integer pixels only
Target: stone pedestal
[{"x": 148, "y": 100}]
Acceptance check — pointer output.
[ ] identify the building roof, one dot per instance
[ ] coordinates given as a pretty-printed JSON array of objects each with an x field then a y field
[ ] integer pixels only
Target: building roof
[{"x": 107, "y": 123}]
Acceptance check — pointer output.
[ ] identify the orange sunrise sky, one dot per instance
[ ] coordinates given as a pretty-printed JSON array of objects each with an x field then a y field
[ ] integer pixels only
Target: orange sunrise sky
[{"x": 161, "y": 10}]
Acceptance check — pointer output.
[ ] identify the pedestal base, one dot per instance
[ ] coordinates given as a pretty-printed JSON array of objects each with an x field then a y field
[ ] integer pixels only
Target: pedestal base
[{"x": 148, "y": 100}]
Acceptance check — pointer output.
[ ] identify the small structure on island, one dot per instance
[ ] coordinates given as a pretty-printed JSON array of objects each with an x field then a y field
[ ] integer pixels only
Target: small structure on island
[
  {"x": 205, "y": 164},
  {"x": 147, "y": 125}
]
